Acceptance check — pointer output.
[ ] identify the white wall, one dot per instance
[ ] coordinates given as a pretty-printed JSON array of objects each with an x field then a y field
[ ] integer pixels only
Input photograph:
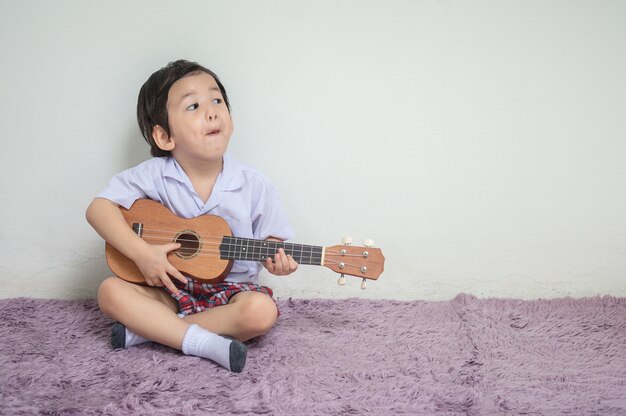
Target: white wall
[{"x": 480, "y": 143}]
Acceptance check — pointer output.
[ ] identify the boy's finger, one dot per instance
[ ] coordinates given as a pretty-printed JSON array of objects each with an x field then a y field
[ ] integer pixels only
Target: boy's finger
[
  {"x": 284, "y": 260},
  {"x": 292, "y": 263},
  {"x": 167, "y": 282},
  {"x": 177, "y": 275},
  {"x": 171, "y": 246},
  {"x": 278, "y": 264}
]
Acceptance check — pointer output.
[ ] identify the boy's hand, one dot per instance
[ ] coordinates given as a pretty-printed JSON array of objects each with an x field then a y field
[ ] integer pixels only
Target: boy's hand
[
  {"x": 282, "y": 265},
  {"x": 157, "y": 269}
]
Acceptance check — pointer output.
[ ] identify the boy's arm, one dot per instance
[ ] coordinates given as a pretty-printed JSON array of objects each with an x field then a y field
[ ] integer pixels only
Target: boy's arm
[{"x": 107, "y": 219}]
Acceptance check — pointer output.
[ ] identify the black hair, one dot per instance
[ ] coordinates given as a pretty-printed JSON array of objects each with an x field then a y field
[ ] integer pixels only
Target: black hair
[{"x": 152, "y": 100}]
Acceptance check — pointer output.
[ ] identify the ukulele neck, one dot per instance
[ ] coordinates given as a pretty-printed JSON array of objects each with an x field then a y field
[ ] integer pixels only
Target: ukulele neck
[{"x": 237, "y": 248}]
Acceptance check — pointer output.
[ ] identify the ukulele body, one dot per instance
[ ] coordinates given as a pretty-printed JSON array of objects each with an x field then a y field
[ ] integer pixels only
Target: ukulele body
[{"x": 197, "y": 257}]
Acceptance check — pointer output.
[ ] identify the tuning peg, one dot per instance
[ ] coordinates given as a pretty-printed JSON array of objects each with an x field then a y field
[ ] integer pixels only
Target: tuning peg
[
  {"x": 364, "y": 284},
  {"x": 368, "y": 243},
  {"x": 341, "y": 281},
  {"x": 346, "y": 240}
]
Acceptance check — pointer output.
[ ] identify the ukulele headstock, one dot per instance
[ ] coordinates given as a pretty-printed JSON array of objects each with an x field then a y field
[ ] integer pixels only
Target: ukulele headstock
[{"x": 365, "y": 262}]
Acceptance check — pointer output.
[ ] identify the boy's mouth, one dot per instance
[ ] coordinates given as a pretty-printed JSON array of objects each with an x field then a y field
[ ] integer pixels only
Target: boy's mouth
[{"x": 213, "y": 132}]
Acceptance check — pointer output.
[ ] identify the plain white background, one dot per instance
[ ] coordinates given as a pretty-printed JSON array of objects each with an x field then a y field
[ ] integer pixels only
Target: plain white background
[{"x": 481, "y": 144}]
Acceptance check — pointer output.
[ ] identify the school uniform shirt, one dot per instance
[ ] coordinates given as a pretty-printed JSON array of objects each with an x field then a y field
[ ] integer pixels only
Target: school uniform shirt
[{"x": 242, "y": 196}]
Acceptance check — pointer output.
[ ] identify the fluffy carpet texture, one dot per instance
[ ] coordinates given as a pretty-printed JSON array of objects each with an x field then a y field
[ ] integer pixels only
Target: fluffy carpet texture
[{"x": 467, "y": 356}]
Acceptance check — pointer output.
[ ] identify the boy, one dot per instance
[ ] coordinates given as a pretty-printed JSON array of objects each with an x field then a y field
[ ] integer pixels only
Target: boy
[{"x": 184, "y": 115}]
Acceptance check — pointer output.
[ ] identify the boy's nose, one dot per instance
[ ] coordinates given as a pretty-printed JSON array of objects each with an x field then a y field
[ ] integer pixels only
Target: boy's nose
[{"x": 211, "y": 115}]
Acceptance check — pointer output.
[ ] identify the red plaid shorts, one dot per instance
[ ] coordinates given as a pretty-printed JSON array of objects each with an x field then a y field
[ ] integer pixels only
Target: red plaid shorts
[{"x": 195, "y": 296}]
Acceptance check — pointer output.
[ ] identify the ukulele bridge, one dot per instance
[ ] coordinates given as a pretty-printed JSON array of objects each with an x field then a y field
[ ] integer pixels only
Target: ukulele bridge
[{"x": 138, "y": 228}]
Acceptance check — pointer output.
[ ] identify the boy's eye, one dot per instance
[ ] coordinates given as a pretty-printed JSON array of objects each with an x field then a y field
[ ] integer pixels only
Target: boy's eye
[
  {"x": 217, "y": 101},
  {"x": 193, "y": 106}
]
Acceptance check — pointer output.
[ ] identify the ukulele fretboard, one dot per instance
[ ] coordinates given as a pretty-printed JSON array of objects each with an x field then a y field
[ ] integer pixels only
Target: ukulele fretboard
[{"x": 237, "y": 248}]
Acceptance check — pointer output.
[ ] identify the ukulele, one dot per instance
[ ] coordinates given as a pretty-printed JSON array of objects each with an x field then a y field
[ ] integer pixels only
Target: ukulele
[{"x": 208, "y": 249}]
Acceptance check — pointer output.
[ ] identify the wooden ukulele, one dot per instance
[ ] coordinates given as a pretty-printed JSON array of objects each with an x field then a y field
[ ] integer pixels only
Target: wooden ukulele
[{"x": 208, "y": 248}]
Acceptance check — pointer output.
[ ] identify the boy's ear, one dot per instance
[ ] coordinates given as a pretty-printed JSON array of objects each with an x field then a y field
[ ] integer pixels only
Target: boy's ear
[{"x": 162, "y": 139}]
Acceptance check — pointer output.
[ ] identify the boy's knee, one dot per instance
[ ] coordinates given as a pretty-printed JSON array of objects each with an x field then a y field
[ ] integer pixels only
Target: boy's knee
[
  {"x": 106, "y": 294},
  {"x": 258, "y": 313}
]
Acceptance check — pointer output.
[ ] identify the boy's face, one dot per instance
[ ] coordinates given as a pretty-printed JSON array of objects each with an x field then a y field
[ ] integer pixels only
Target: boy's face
[{"x": 200, "y": 123}]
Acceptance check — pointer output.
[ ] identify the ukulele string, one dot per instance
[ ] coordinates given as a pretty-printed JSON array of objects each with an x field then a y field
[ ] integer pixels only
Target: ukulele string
[
  {"x": 335, "y": 262},
  {"x": 208, "y": 237},
  {"x": 196, "y": 241},
  {"x": 212, "y": 252},
  {"x": 207, "y": 250},
  {"x": 218, "y": 240},
  {"x": 206, "y": 254},
  {"x": 179, "y": 232},
  {"x": 328, "y": 253},
  {"x": 210, "y": 249},
  {"x": 205, "y": 237}
]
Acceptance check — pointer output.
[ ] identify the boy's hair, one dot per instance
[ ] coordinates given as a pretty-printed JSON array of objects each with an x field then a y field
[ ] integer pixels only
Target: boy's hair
[{"x": 152, "y": 101}]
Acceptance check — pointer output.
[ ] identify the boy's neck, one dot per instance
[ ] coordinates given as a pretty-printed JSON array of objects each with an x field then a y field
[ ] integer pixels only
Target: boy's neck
[{"x": 203, "y": 175}]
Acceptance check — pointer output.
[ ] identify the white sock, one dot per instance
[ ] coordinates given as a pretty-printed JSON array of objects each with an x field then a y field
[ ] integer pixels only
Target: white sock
[
  {"x": 122, "y": 337},
  {"x": 229, "y": 353},
  {"x": 134, "y": 339}
]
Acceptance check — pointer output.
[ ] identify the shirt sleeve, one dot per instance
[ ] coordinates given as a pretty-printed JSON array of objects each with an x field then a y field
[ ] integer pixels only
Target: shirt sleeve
[
  {"x": 268, "y": 217},
  {"x": 126, "y": 187}
]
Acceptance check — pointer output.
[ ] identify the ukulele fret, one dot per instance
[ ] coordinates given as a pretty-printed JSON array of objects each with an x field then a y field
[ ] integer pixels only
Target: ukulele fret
[{"x": 237, "y": 248}]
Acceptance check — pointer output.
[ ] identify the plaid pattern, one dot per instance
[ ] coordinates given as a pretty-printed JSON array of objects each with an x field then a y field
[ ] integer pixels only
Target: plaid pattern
[{"x": 195, "y": 296}]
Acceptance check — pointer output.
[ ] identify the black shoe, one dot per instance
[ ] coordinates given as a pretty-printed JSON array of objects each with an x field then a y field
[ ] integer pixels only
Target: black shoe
[
  {"x": 238, "y": 354},
  {"x": 118, "y": 336}
]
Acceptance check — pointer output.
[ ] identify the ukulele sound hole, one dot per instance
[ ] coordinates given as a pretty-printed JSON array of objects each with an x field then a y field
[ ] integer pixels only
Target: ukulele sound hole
[{"x": 190, "y": 244}]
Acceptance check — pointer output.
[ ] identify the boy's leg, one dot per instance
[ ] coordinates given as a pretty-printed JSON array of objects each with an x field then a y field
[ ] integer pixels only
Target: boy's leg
[
  {"x": 151, "y": 313},
  {"x": 147, "y": 311},
  {"x": 247, "y": 315}
]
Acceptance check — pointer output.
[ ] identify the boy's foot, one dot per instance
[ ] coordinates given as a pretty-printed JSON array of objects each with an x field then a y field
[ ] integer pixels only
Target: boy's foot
[
  {"x": 122, "y": 337},
  {"x": 118, "y": 336},
  {"x": 227, "y": 352},
  {"x": 238, "y": 355}
]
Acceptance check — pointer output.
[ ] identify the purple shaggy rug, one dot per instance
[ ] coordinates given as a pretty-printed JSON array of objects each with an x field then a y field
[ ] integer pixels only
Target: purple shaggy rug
[{"x": 466, "y": 356}]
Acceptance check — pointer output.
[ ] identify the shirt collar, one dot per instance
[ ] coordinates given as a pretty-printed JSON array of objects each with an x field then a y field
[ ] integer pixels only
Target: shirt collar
[
  {"x": 230, "y": 179},
  {"x": 174, "y": 171}
]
